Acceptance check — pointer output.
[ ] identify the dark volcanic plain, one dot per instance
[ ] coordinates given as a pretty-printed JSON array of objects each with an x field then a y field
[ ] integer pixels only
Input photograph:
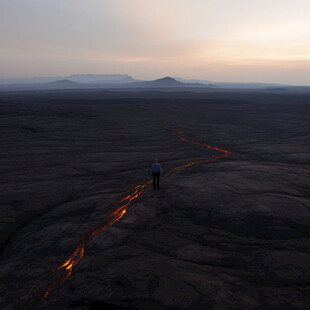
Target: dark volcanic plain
[{"x": 228, "y": 234}]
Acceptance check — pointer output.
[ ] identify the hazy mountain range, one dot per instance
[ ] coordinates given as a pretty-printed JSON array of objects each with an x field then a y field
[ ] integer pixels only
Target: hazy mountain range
[
  {"x": 125, "y": 81},
  {"x": 78, "y": 78}
]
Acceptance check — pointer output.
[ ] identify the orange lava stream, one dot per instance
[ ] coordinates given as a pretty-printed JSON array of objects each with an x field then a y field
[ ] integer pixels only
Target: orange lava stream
[
  {"x": 115, "y": 216},
  {"x": 226, "y": 153},
  {"x": 77, "y": 255}
]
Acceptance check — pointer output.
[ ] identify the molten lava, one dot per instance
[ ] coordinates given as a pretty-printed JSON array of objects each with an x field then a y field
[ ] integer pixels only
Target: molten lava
[
  {"x": 226, "y": 154},
  {"x": 78, "y": 253},
  {"x": 65, "y": 269}
]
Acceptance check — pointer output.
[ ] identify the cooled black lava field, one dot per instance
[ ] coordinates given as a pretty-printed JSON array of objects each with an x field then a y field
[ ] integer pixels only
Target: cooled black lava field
[{"x": 82, "y": 227}]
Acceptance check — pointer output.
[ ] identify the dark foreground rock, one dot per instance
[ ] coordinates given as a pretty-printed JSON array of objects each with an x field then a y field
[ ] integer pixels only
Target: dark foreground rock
[{"x": 229, "y": 234}]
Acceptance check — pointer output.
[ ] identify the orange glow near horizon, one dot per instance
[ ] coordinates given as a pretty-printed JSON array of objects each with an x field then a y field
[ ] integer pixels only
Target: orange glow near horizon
[
  {"x": 66, "y": 267},
  {"x": 220, "y": 41}
]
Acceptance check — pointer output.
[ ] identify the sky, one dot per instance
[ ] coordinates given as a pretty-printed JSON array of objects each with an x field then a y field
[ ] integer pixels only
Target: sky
[{"x": 217, "y": 40}]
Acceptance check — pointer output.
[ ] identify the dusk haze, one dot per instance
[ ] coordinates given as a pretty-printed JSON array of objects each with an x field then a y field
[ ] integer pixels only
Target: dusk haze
[{"x": 228, "y": 41}]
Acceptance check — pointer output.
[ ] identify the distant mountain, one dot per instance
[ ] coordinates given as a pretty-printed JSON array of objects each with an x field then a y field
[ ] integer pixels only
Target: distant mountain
[
  {"x": 234, "y": 85},
  {"x": 164, "y": 82},
  {"x": 102, "y": 78},
  {"x": 63, "y": 82},
  {"x": 78, "y": 78},
  {"x": 192, "y": 81},
  {"x": 126, "y": 81},
  {"x": 34, "y": 80}
]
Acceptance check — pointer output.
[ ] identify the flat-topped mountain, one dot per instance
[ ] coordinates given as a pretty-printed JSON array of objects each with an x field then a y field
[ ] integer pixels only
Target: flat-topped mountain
[{"x": 102, "y": 78}]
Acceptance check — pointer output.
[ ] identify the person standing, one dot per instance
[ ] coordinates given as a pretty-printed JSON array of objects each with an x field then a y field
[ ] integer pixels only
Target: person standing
[{"x": 156, "y": 172}]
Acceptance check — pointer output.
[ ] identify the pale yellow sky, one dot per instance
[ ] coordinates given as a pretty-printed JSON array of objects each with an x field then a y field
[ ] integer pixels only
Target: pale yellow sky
[{"x": 222, "y": 40}]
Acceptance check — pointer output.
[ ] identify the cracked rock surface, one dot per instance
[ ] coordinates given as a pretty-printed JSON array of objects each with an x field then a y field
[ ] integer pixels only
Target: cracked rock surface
[{"x": 228, "y": 234}]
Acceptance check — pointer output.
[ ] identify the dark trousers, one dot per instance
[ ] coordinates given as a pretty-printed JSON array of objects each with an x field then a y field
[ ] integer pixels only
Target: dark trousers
[{"x": 156, "y": 177}]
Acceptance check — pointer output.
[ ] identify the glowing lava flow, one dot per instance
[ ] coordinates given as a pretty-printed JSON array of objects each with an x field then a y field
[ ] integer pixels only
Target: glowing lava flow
[
  {"x": 67, "y": 267},
  {"x": 78, "y": 253},
  {"x": 226, "y": 153}
]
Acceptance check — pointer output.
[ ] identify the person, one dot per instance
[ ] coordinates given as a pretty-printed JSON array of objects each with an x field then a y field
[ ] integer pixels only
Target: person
[{"x": 156, "y": 172}]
